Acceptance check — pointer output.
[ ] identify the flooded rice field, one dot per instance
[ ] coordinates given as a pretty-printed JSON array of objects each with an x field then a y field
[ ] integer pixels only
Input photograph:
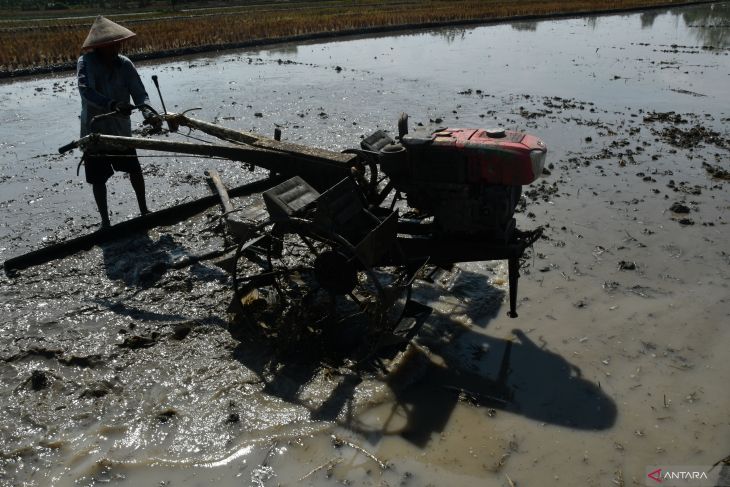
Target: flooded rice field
[{"x": 117, "y": 369}]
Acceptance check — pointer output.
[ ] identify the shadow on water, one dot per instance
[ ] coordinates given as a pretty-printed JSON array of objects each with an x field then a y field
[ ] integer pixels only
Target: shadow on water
[
  {"x": 511, "y": 375},
  {"x": 135, "y": 313},
  {"x": 141, "y": 263},
  {"x": 447, "y": 363}
]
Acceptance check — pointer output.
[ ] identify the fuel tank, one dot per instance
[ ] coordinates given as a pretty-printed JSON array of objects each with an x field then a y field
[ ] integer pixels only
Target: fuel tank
[{"x": 476, "y": 156}]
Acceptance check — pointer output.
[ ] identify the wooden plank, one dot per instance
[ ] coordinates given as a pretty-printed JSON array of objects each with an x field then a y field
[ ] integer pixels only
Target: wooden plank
[
  {"x": 305, "y": 151},
  {"x": 216, "y": 130},
  {"x": 299, "y": 150},
  {"x": 221, "y": 189},
  {"x": 243, "y": 153},
  {"x": 320, "y": 173}
]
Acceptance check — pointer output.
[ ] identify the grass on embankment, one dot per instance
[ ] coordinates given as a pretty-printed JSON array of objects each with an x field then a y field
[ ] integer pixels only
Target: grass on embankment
[{"x": 38, "y": 43}]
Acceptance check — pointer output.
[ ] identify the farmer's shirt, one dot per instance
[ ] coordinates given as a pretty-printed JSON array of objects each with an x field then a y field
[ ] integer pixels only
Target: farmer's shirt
[{"x": 100, "y": 85}]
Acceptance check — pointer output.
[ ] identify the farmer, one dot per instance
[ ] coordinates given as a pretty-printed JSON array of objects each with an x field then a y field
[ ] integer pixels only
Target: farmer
[{"x": 107, "y": 80}]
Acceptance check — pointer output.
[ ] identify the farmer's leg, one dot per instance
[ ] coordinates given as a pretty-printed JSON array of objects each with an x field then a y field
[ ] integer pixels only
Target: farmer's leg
[
  {"x": 137, "y": 180},
  {"x": 130, "y": 164},
  {"x": 101, "y": 203},
  {"x": 98, "y": 169}
]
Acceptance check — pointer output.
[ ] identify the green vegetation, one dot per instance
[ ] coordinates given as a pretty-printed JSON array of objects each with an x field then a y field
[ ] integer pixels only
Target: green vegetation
[{"x": 53, "y": 37}]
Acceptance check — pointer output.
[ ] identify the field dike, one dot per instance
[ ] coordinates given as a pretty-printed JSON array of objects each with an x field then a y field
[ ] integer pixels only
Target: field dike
[{"x": 28, "y": 49}]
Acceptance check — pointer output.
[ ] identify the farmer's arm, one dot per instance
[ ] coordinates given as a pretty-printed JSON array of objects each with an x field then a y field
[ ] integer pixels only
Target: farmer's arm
[{"x": 135, "y": 85}]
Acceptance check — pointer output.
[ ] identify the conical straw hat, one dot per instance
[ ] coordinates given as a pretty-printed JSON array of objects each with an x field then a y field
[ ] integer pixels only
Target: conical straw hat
[{"x": 104, "y": 32}]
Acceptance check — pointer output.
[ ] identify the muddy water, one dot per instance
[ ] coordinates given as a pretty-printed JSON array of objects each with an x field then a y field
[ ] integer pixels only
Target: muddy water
[{"x": 115, "y": 369}]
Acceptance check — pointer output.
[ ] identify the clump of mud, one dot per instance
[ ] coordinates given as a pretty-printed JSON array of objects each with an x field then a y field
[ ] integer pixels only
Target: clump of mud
[
  {"x": 692, "y": 137},
  {"x": 716, "y": 172},
  {"x": 667, "y": 117}
]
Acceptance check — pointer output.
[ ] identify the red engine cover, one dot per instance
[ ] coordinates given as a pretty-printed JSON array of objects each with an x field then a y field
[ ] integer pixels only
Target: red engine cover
[{"x": 496, "y": 156}]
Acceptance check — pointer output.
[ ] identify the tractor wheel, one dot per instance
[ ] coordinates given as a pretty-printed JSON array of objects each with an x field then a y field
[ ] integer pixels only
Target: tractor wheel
[{"x": 325, "y": 293}]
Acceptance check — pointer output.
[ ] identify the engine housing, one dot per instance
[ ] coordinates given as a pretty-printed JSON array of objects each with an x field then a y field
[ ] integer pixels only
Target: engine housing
[{"x": 469, "y": 180}]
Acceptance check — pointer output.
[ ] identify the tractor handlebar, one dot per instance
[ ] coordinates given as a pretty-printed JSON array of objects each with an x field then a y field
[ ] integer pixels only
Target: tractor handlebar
[
  {"x": 70, "y": 146},
  {"x": 75, "y": 144},
  {"x": 141, "y": 106}
]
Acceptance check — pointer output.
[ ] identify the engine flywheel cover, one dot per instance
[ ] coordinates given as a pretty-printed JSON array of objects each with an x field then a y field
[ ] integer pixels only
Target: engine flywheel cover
[{"x": 335, "y": 273}]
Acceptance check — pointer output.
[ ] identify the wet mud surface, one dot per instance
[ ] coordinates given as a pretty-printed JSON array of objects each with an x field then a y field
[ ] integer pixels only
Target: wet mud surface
[{"x": 118, "y": 368}]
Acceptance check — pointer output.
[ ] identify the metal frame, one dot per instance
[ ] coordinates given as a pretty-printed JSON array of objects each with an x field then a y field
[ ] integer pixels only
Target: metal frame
[{"x": 323, "y": 169}]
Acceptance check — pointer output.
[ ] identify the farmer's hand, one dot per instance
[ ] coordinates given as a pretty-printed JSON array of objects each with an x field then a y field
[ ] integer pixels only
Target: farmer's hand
[
  {"x": 154, "y": 121},
  {"x": 123, "y": 107}
]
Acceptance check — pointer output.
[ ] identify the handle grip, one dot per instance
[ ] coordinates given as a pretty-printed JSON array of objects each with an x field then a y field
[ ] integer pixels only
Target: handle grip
[{"x": 70, "y": 146}]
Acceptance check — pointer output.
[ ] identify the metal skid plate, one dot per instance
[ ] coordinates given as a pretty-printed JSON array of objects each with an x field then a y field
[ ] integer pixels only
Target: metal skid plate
[
  {"x": 376, "y": 141},
  {"x": 338, "y": 207},
  {"x": 288, "y": 198},
  {"x": 378, "y": 242}
]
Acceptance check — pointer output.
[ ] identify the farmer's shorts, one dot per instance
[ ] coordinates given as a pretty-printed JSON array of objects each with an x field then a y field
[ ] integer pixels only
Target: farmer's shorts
[{"x": 100, "y": 167}]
